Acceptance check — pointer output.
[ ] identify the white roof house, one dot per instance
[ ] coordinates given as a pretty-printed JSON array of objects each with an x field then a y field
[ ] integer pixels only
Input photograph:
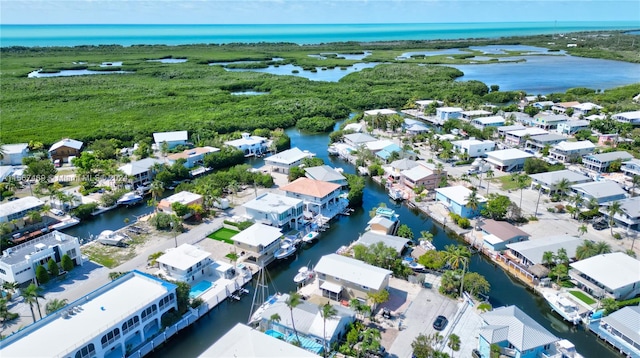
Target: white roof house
[
  {"x": 383, "y": 112},
  {"x": 325, "y": 173},
  {"x": 258, "y": 234},
  {"x": 510, "y": 324},
  {"x": 357, "y": 139},
  {"x": 623, "y": 327},
  {"x": 140, "y": 166},
  {"x": 171, "y": 138},
  {"x": 13, "y": 153},
  {"x": 250, "y": 145},
  {"x": 603, "y": 191},
  {"x": 474, "y": 114},
  {"x": 583, "y": 145},
  {"x": 356, "y": 127},
  {"x": 183, "y": 256},
  {"x": 531, "y": 252},
  {"x": 508, "y": 159},
  {"x": 628, "y": 117},
  {"x": 18, "y": 208},
  {"x": 616, "y": 273},
  {"x": 494, "y": 121},
  {"x": 276, "y": 210},
  {"x": 473, "y": 147},
  {"x": 244, "y": 341},
  {"x": 353, "y": 271},
  {"x": 287, "y": 159},
  {"x": 549, "y": 180},
  {"x": 71, "y": 143},
  {"x": 371, "y": 238},
  {"x": 516, "y": 137},
  {"x": 458, "y": 193}
]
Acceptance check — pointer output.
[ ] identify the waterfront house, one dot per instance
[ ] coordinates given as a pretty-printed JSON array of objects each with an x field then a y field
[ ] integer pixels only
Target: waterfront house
[
  {"x": 571, "y": 127},
  {"x": 412, "y": 127},
  {"x": 549, "y": 180},
  {"x": 283, "y": 162},
  {"x": 258, "y": 242},
  {"x": 497, "y": 234},
  {"x": 455, "y": 199},
  {"x": 601, "y": 162},
  {"x": 602, "y": 191},
  {"x": 548, "y": 121},
  {"x": 507, "y": 160},
  {"x": 173, "y": 139},
  {"x": 384, "y": 222},
  {"x": 326, "y": 173},
  {"x": 311, "y": 327},
  {"x": 250, "y": 145},
  {"x": 423, "y": 175},
  {"x": 384, "y": 149},
  {"x": 379, "y": 112},
  {"x": 17, "y": 209},
  {"x": 61, "y": 151},
  {"x": 492, "y": 121},
  {"x": 561, "y": 107},
  {"x": 123, "y": 313},
  {"x": 518, "y": 117},
  {"x": 628, "y": 117},
  {"x": 630, "y": 217},
  {"x": 276, "y": 210},
  {"x": 631, "y": 168},
  {"x": 585, "y": 109},
  {"x": 621, "y": 329},
  {"x": 355, "y": 127},
  {"x": 470, "y": 115},
  {"x": 319, "y": 197},
  {"x": 370, "y": 238},
  {"x": 615, "y": 275},
  {"x": 519, "y": 137},
  {"x": 394, "y": 168},
  {"x": 185, "y": 263},
  {"x": 19, "y": 263},
  {"x": 539, "y": 142},
  {"x": 570, "y": 151},
  {"x": 543, "y": 104},
  {"x": 141, "y": 172},
  {"x": 12, "y": 154},
  {"x": 347, "y": 278},
  {"x": 530, "y": 252},
  {"x": 185, "y": 198},
  {"x": 357, "y": 140},
  {"x": 445, "y": 113},
  {"x": 608, "y": 139},
  {"x": 424, "y": 103},
  {"x": 192, "y": 157},
  {"x": 503, "y": 130},
  {"x": 473, "y": 147},
  {"x": 244, "y": 341},
  {"x": 517, "y": 334}
]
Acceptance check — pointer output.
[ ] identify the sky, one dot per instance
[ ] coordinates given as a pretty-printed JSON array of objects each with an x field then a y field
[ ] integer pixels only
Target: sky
[{"x": 311, "y": 11}]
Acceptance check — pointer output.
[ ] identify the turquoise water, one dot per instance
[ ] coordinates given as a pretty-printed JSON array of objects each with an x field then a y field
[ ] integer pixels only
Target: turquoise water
[
  {"x": 127, "y": 35},
  {"x": 275, "y": 334},
  {"x": 199, "y": 288}
]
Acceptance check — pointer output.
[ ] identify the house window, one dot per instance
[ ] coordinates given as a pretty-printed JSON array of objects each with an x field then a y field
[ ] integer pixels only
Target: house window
[
  {"x": 337, "y": 278},
  {"x": 110, "y": 337},
  {"x": 130, "y": 324},
  {"x": 365, "y": 287},
  {"x": 87, "y": 351},
  {"x": 148, "y": 312}
]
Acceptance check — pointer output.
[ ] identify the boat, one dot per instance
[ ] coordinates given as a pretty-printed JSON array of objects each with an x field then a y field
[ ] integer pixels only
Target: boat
[
  {"x": 427, "y": 245},
  {"x": 65, "y": 223},
  {"x": 411, "y": 262},
  {"x": 287, "y": 248},
  {"x": 565, "y": 307},
  {"x": 260, "y": 300},
  {"x": 303, "y": 275},
  {"x": 130, "y": 198},
  {"x": 310, "y": 236},
  {"x": 112, "y": 238},
  {"x": 333, "y": 150}
]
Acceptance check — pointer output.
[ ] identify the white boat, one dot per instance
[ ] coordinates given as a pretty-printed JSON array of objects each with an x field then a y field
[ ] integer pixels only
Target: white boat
[
  {"x": 427, "y": 245},
  {"x": 130, "y": 198},
  {"x": 396, "y": 194},
  {"x": 566, "y": 308},
  {"x": 333, "y": 150},
  {"x": 287, "y": 248},
  {"x": 260, "y": 300},
  {"x": 65, "y": 223},
  {"x": 411, "y": 262},
  {"x": 303, "y": 275},
  {"x": 310, "y": 236}
]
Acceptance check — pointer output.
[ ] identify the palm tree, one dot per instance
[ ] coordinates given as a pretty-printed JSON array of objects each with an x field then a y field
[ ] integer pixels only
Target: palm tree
[
  {"x": 31, "y": 295},
  {"x": 548, "y": 258},
  {"x": 577, "y": 200},
  {"x": 292, "y": 302},
  {"x": 635, "y": 181},
  {"x": 585, "y": 250},
  {"x": 274, "y": 318},
  {"x": 455, "y": 257},
  {"x": 454, "y": 343},
  {"x": 602, "y": 247},
  {"x": 582, "y": 229},
  {"x": 10, "y": 286},
  {"x": 55, "y": 305},
  {"x": 327, "y": 311},
  {"x": 426, "y": 236},
  {"x": 593, "y": 203},
  {"x": 521, "y": 181},
  {"x": 489, "y": 175},
  {"x": 157, "y": 188},
  {"x": 573, "y": 210},
  {"x": 563, "y": 186},
  {"x": 472, "y": 200},
  {"x": 613, "y": 209},
  {"x": 539, "y": 189}
]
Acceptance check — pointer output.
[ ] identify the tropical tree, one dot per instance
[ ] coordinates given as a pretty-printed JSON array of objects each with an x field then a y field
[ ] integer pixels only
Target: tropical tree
[
  {"x": 613, "y": 209},
  {"x": 563, "y": 187},
  {"x": 292, "y": 302},
  {"x": 31, "y": 295},
  {"x": 453, "y": 343},
  {"x": 472, "y": 199},
  {"x": 582, "y": 229},
  {"x": 585, "y": 250},
  {"x": 489, "y": 175},
  {"x": 476, "y": 283},
  {"x": 521, "y": 182},
  {"x": 548, "y": 258},
  {"x": 55, "y": 305},
  {"x": 327, "y": 311},
  {"x": 157, "y": 188},
  {"x": 458, "y": 256},
  {"x": 274, "y": 318},
  {"x": 370, "y": 340},
  {"x": 539, "y": 189},
  {"x": 561, "y": 257},
  {"x": 426, "y": 236},
  {"x": 577, "y": 200},
  {"x": 635, "y": 181},
  {"x": 602, "y": 247}
]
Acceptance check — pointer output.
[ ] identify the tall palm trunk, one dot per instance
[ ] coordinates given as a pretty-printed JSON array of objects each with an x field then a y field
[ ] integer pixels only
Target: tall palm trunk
[
  {"x": 33, "y": 314},
  {"x": 293, "y": 325},
  {"x": 38, "y": 305}
]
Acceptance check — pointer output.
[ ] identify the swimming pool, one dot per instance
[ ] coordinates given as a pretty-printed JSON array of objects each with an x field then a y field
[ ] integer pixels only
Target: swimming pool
[
  {"x": 200, "y": 288},
  {"x": 276, "y": 334}
]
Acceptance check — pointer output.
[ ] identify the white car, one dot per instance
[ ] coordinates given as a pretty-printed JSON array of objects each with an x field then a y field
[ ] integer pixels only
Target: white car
[{"x": 57, "y": 212}]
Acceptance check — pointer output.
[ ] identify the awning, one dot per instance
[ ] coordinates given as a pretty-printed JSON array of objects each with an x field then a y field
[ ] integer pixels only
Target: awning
[{"x": 332, "y": 287}]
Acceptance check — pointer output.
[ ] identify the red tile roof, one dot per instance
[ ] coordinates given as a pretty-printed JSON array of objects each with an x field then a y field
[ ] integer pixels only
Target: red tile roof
[{"x": 311, "y": 187}]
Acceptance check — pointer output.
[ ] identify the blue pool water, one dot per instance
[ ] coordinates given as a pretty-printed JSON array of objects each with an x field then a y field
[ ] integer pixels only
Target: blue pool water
[
  {"x": 272, "y": 333},
  {"x": 199, "y": 288}
]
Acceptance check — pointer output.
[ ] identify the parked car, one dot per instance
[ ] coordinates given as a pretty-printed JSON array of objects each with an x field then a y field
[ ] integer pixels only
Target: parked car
[
  {"x": 57, "y": 212},
  {"x": 440, "y": 323}
]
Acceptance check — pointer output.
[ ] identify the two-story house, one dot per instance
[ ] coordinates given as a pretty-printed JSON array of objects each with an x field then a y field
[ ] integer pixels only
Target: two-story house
[
  {"x": 172, "y": 139},
  {"x": 474, "y": 147},
  {"x": 141, "y": 172},
  {"x": 258, "y": 242},
  {"x": 319, "y": 197},
  {"x": 12, "y": 154},
  {"x": 601, "y": 162},
  {"x": 185, "y": 263},
  {"x": 283, "y": 162},
  {"x": 250, "y": 145},
  {"x": 276, "y": 210},
  {"x": 615, "y": 275},
  {"x": 62, "y": 150},
  {"x": 456, "y": 200},
  {"x": 192, "y": 157},
  {"x": 570, "y": 151}
]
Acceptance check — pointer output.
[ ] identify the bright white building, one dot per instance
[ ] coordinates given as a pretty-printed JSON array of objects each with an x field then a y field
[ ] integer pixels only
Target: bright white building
[
  {"x": 382, "y": 112},
  {"x": 531, "y": 252},
  {"x": 319, "y": 197},
  {"x": 276, "y": 210},
  {"x": 571, "y": 127},
  {"x": 326, "y": 173},
  {"x": 283, "y": 162},
  {"x": 123, "y": 313},
  {"x": 628, "y": 117},
  {"x": 517, "y": 137},
  {"x": 141, "y": 171},
  {"x": 19, "y": 263},
  {"x": 17, "y": 209},
  {"x": 601, "y": 162},
  {"x": 444, "y": 113},
  {"x": 355, "y": 140},
  {"x": 549, "y": 180},
  {"x": 341, "y": 276},
  {"x": 173, "y": 139},
  {"x": 585, "y": 109},
  {"x": 491, "y": 121},
  {"x": 251, "y": 145},
  {"x": 185, "y": 198},
  {"x": 631, "y": 167},
  {"x": 569, "y": 151},
  {"x": 508, "y": 160},
  {"x": 615, "y": 275},
  {"x": 14, "y": 153},
  {"x": 473, "y": 147},
  {"x": 473, "y": 114},
  {"x": 259, "y": 241},
  {"x": 193, "y": 157},
  {"x": 185, "y": 263}
]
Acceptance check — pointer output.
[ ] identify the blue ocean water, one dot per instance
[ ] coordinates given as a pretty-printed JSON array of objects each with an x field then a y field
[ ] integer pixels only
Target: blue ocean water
[{"x": 127, "y": 35}]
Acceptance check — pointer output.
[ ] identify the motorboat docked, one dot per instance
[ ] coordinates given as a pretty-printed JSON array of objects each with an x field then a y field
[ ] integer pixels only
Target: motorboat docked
[
  {"x": 287, "y": 248},
  {"x": 310, "y": 236},
  {"x": 130, "y": 198},
  {"x": 304, "y": 274},
  {"x": 565, "y": 307},
  {"x": 411, "y": 262},
  {"x": 257, "y": 314},
  {"x": 427, "y": 245},
  {"x": 396, "y": 194},
  {"x": 333, "y": 150},
  {"x": 66, "y": 223}
]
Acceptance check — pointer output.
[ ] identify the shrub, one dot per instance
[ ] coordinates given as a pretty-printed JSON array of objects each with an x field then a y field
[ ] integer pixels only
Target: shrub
[
  {"x": 53, "y": 268},
  {"x": 560, "y": 208},
  {"x": 589, "y": 214},
  {"x": 617, "y": 236},
  {"x": 464, "y": 223},
  {"x": 42, "y": 275},
  {"x": 67, "y": 263},
  {"x": 551, "y": 210},
  {"x": 84, "y": 210}
]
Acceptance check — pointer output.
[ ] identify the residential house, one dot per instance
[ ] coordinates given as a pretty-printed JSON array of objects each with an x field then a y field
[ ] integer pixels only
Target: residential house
[
  {"x": 384, "y": 222},
  {"x": 562, "y": 107},
  {"x": 497, "y": 234},
  {"x": 357, "y": 140},
  {"x": 471, "y": 115},
  {"x": 548, "y": 121},
  {"x": 62, "y": 150},
  {"x": 17, "y": 209},
  {"x": 548, "y": 181},
  {"x": 601, "y": 162},
  {"x": 423, "y": 104},
  {"x": 492, "y": 121},
  {"x": 594, "y": 117},
  {"x": 370, "y": 238},
  {"x": 245, "y": 341},
  {"x": 542, "y": 105},
  {"x": 183, "y": 198},
  {"x": 473, "y": 147},
  {"x": 455, "y": 198},
  {"x": 283, "y": 162},
  {"x": 394, "y": 168},
  {"x": 426, "y": 176},
  {"x": 319, "y": 197},
  {"x": 342, "y": 277},
  {"x": 570, "y": 151},
  {"x": 19, "y": 263},
  {"x": 326, "y": 173},
  {"x": 507, "y": 160},
  {"x": 412, "y": 126},
  {"x": 251, "y": 145},
  {"x": 310, "y": 326},
  {"x": 185, "y": 263},
  {"x": 124, "y": 313},
  {"x": 585, "y": 109},
  {"x": 193, "y": 157},
  {"x": 519, "y": 137},
  {"x": 258, "y": 242},
  {"x": 141, "y": 172},
  {"x": 517, "y": 335},
  {"x": 173, "y": 139},
  {"x": 615, "y": 275},
  {"x": 384, "y": 150},
  {"x": 609, "y": 139},
  {"x": 519, "y": 117},
  {"x": 603, "y": 191},
  {"x": 621, "y": 329},
  {"x": 12, "y": 154},
  {"x": 276, "y": 210},
  {"x": 571, "y": 127},
  {"x": 539, "y": 142},
  {"x": 631, "y": 167},
  {"x": 628, "y": 117},
  {"x": 381, "y": 112},
  {"x": 630, "y": 217},
  {"x": 445, "y": 113},
  {"x": 503, "y": 130},
  {"x": 355, "y": 127},
  {"x": 530, "y": 252}
]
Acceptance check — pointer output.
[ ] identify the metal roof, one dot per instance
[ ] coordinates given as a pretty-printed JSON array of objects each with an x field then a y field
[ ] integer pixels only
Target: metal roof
[
  {"x": 183, "y": 256},
  {"x": 524, "y": 333},
  {"x": 371, "y": 238},
  {"x": 289, "y": 156},
  {"x": 533, "y": 250},
  {"x": 600, "y": 189},
  {"x": 552, "y": 178},
  {"x": 508, "y": 154},
  {"x": 170, "y": 136},
  {"x": 502, "y": 229},
  {"x": 352, "y": 270},
  {"x": 626, "y": 321},
  {"x": 22, "y": 204},
  {"x": 609, "y": 157},
  {"x": 71, "y": 143},
  {"x": 607, "y": 268},
  {"x": 258, "y": 234}
]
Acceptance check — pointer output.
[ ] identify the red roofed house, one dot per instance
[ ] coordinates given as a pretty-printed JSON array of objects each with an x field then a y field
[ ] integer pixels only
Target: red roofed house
[
  {"x": 319, "y": 197},
  {"x": 497, "y": 234}
]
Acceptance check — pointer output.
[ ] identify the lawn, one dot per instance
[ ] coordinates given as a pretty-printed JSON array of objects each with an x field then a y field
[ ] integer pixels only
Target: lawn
[
  {"x": 223, "y": 235},
  {"x": 583, "y": 297},
  {"x": 507, "y": 183}
]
